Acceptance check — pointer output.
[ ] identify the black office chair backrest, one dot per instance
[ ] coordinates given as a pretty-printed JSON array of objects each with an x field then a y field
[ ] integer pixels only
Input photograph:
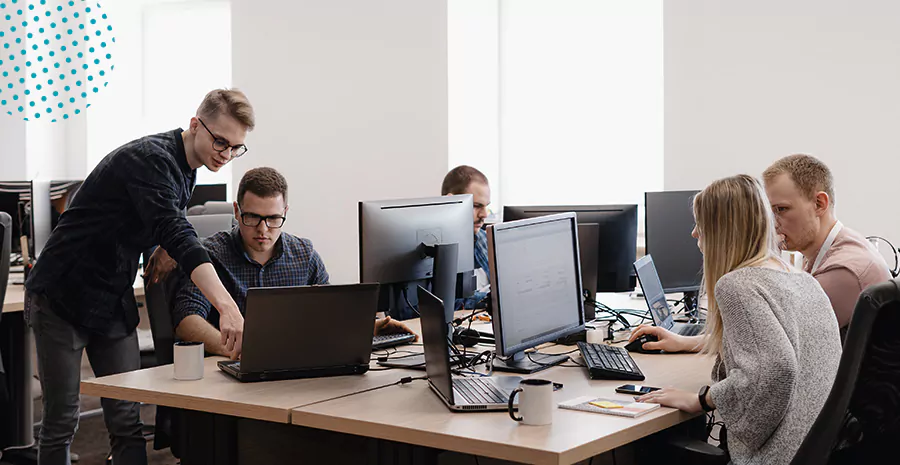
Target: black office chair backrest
[
  {"x": 865, "y": 396},
  {"x": 159, "y": 298},
  {"x": 5, "y": 250}
]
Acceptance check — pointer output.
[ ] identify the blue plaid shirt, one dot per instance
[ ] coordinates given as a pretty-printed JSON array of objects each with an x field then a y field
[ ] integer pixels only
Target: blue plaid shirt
[
  {"x": 294, "y": 263},
  {"x": 481, "y": 261}
]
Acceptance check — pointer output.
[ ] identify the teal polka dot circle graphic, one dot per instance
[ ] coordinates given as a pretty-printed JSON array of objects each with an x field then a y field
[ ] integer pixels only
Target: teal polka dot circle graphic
[{"x": 55, "y": 55}]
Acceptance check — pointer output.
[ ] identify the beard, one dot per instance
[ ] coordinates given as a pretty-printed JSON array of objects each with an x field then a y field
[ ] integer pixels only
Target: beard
[{"x": 801, "y": 240}]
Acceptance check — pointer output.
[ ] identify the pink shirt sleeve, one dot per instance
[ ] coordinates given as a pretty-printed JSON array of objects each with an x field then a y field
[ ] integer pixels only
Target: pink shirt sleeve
[{"x": 843, "y": 289}]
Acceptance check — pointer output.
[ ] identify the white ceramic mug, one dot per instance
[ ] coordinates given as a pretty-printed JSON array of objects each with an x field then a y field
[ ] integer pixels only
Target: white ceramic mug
[
  {"x": 535, "y": 402},
  {"x": 188, "y": 358}
]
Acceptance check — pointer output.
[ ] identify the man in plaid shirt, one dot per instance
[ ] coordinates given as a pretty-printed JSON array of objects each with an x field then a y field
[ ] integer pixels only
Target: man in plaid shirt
[{"x": 254, "y": 254}]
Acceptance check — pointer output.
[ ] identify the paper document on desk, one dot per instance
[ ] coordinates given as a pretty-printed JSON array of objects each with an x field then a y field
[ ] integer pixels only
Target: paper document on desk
[{"x": 609, "y": 406}]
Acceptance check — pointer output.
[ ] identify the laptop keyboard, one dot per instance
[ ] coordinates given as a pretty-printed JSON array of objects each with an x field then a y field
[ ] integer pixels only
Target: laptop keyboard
[
  {"x": 609, "y": 362},
  {"x": 690, "y": 330},
  {"x": 479, "y": 391}
]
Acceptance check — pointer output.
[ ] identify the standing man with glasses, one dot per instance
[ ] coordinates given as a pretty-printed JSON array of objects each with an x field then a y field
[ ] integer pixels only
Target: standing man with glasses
[
  {"x": 80, "y": 296},
  {"x": 255, "y": 254}
]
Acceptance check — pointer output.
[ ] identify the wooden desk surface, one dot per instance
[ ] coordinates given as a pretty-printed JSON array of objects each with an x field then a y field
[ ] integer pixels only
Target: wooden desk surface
[
  {"x": 15, "y": 296},
  {"x": 222, "y": 394},
  {"x": 414, "y": 414}
]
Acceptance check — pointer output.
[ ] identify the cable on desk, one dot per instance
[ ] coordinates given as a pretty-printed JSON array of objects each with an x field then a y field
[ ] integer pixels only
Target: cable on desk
[
  {"x": 404, "y": 380},
  {"x": 408, "y": 304}
]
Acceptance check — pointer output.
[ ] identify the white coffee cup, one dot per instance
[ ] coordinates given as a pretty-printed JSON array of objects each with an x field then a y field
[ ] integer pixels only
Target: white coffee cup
[
  {"x": 188, "y": 357},
  {"x": 596, "y": 335},
  {"x": 535, "y": 402}
]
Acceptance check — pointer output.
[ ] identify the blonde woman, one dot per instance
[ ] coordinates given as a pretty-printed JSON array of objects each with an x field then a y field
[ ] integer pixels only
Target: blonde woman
[{"x": 772, "y": 330}]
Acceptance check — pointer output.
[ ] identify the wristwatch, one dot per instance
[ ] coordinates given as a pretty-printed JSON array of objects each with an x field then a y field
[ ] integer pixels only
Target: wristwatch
[{"x": 703, "y": 404}]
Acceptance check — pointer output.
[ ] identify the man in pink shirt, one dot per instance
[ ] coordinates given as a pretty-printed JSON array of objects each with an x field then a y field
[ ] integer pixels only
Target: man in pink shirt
[{"x": 801, "y": 191}]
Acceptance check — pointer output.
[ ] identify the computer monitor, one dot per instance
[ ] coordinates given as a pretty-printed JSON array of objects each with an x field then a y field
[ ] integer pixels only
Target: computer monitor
[
  {"x": 617, "y": 239},
  {"x": 15, "y": 199},
  {"x": 61, "y": 195},
  {"x": 535, "y": 288},
  {"x": 669, "y": 222},
  {"x": 405, "y": 243},
  {"x": 206, "y": 192}
]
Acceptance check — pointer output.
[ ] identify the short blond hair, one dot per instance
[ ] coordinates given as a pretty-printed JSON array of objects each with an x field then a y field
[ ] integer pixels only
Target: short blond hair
[
  {"x": 809, "y": 174},
  {"x": 228, "y": 101}
]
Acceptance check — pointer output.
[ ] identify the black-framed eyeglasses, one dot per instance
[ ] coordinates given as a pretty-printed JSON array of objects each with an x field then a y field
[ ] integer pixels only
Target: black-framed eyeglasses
[
  {"x": 221, "y": 144},
  {"x": 253, "y": 220}
]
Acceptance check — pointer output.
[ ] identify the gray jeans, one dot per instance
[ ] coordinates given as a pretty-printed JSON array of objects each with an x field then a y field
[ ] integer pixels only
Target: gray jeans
[{"x": 59, "y": 351}]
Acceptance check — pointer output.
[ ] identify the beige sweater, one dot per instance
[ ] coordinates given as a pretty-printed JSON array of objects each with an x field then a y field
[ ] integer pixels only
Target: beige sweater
[{"x": 781, "y": 350}]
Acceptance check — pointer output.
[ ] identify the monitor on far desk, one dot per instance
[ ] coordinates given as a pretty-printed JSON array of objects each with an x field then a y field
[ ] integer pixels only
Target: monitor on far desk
[
  {"x": 607, "y": 239},
  {"x": 669, "y": 222},
  {"x": 405, "y": 243}
]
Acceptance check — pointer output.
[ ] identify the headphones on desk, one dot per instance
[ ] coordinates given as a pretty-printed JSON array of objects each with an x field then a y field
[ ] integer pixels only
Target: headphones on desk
[{"x": 471, "y": 337}]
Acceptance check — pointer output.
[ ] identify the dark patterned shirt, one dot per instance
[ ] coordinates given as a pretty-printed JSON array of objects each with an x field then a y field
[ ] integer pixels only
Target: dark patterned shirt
[
  {"x": 133, "y": 200},
  {"x": 481, "y": 261},
  {"x": 294, "y": 263}
]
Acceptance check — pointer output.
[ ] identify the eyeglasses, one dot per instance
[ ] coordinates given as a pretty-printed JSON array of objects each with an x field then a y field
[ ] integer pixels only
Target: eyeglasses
[
  {"x": 220, "y": 144},
  {"x": 253, "y": 220}
]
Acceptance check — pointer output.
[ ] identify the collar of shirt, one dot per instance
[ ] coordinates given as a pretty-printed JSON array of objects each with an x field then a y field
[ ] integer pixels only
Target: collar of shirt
[
  {"x": 181, "y": 154},
  {"x": 239, "y": 246}
]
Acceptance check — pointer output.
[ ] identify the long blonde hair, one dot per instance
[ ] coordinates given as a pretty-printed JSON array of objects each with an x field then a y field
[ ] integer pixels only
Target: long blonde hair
[{"x": 737, "y": 230}]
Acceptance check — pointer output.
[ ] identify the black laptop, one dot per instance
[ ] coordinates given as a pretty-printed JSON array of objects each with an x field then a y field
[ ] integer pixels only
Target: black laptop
[{"x": 282, "y": 339}]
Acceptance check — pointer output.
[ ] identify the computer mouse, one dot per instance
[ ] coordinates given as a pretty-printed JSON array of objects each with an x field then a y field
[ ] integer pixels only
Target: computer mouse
[{"x": 637, "y": 345}]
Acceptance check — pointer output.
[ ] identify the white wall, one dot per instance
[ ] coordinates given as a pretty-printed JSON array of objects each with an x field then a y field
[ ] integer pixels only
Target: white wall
[
  {"x": 351, "y": 104},
  {"x": 750, "y": 82},
  {"x": 473, "y": 67},
  {"x": 581, "y": 101},
  {"x": 13, "y": 163}
]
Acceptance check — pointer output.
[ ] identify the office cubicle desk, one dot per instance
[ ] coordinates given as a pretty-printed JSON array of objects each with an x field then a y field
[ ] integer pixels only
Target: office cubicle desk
[{"x": 408, "y": 414}]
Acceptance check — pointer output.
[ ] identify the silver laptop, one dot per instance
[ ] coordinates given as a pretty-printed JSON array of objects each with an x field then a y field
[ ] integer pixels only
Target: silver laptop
[
  {"x": 460, "y": 394},
  {"x": 656, "y": 299}
]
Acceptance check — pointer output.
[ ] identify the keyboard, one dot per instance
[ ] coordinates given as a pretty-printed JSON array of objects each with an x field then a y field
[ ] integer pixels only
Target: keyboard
[
  {"x": 609, "y": 362},
  {"x": 689, "y": 329},
  {"x": 479, "y": 391},
  {"x": 390, "y": 340}
]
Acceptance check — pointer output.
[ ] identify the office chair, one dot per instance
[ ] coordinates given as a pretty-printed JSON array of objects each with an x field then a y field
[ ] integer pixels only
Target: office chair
[
  {"x": 212, "y": 207},
  {"x": 860, "y": 419},
  {"x": 159, "y": 298}
]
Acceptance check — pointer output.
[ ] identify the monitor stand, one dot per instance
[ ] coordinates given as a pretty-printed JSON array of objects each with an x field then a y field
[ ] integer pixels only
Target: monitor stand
[{"x": 527, "y": 364}]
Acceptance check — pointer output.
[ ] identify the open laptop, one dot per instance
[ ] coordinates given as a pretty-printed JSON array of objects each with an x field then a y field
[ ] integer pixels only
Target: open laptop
[
  {"x": 460, "y": 394},
  {"x": 282, "y": 341},
  {"x": 656, "y": 299}
]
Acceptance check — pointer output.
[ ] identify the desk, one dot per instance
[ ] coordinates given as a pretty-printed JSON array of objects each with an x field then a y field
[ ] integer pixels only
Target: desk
[
  {"x": 412, "y": 414},
  {"x": 16, "y": 342}
]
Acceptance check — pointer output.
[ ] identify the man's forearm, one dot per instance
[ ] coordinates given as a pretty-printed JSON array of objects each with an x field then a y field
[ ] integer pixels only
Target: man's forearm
[
  {"x": 206, "y": 279},
  {"x": 194, "y": 328}
]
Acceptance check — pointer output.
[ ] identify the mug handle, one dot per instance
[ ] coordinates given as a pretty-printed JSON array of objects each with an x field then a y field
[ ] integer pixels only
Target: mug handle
[{"x": 512, "y": 398}]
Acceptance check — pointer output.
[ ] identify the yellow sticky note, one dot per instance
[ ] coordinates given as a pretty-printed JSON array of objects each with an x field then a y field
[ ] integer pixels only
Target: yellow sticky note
[{"x": 606, "y": 404}]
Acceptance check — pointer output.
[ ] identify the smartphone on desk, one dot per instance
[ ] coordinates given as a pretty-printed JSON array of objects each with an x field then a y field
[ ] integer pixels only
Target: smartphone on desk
[{"x": 635, "y": 389}]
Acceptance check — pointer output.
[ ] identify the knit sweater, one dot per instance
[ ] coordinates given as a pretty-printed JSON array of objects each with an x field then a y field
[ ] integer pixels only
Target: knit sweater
[{"x": 780, "y": 354}]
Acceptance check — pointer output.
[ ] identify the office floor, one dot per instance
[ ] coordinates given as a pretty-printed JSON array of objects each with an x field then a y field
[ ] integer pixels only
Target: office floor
[{"x": 92, "y": 441}]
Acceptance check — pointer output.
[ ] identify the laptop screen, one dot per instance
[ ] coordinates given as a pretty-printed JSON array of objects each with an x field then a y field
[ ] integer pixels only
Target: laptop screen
[
  {"x": 434, "y": 333},
  {"x": 653, "y": 292}
]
